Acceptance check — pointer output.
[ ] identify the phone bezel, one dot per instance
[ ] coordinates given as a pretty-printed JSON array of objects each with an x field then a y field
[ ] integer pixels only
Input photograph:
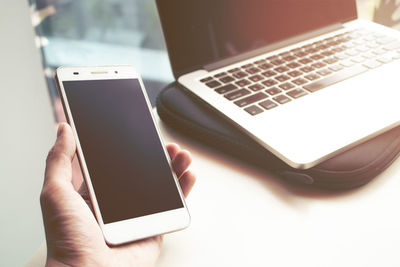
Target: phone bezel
[{"x": 133, "y": 229}]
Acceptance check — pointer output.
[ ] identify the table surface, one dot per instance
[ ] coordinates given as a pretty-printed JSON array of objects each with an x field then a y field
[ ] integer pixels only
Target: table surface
[{"x": 243, "y": 216}]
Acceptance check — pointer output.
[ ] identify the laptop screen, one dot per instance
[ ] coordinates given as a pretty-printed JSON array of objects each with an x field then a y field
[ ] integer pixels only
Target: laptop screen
[{"x": 200, "y": 32}]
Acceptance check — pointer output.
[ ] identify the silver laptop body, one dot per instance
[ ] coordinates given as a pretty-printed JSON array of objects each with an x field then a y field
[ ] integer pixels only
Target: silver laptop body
[{"x": 303, "y": 92}]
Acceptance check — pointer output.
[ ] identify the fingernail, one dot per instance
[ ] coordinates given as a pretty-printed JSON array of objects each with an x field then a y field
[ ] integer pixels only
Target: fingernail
[{"x": 60, "y": 129}]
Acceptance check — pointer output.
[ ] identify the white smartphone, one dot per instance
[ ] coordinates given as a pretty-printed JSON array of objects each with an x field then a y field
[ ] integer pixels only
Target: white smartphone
[{"x": 127, "y": 170}]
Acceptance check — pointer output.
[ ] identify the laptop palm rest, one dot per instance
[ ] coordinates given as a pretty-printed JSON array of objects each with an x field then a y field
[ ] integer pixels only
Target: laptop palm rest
[{"x": 344, "y": 112}]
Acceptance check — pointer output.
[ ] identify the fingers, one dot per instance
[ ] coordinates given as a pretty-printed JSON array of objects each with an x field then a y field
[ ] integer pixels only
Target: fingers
[
  {"x": 181, "y": 162},
  {"x": 187, "y": 182},
  {"x": 58, "y": 163},
  {"x": 173, "y": 150}
]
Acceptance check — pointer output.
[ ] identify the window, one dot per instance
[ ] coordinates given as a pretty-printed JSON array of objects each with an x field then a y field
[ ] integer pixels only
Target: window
[{"x": 103, "y": 32}]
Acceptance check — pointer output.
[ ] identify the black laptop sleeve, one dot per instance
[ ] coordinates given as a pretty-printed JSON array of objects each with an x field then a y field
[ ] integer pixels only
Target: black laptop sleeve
[{"x": 354, "y": 167}]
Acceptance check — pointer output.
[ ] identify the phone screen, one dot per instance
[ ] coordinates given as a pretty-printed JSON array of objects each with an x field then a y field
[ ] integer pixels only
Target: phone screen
[{"x": 128, "y": 168}]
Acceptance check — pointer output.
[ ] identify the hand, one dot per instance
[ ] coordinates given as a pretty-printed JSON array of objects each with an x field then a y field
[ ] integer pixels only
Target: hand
[{"x": 73, "y": 236}]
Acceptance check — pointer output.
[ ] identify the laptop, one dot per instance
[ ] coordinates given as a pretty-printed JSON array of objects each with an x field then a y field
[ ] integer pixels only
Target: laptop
[{"x": 305, "y": 79}]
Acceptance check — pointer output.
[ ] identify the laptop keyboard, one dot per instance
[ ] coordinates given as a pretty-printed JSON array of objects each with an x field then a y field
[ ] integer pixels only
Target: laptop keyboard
[{"x": 276, "y": 80}]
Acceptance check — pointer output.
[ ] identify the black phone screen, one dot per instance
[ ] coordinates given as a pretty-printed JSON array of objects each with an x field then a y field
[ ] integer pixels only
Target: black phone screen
[{"x": 128, "y": 168}]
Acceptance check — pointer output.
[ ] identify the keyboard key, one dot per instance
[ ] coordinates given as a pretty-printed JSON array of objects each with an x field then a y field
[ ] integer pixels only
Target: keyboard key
[
  {"x": 324, "y": 72},
  {"x": 299, "y": 81},
  {"x": 286, "y": 86},
  {"x": 273, "y": 91},
  {"x": 259, "y": 62},
  {"x": 338, "y": 49},
  {"x": 281, "y": 69},
  {"x": 385, "y": 40},
  {"x": 312, "y": 77},
  {"x": 318, "y": 65},
  {"x": 317, "y": 57},
  {"x": 268, "y": 104},
  {"x": 307, "y": 69},
  {"x": 265, "y": 66},
  {"x": 282, "y": 99},
  {"x": 378, "y": 35},
  {"x": 305, "y": 61},
  {"x": 269, "y": 83},
  {"x": 342, "y": 56},
  {"x": 284, "y": 54},
  {"x": 396, "y": 55},
  {"x": 207, "y": 79},
  {"x": 213, "y": 84},
  {"x": 358, "y": 59},
  {"x": 300, "y": 54},
  {"x": 311, "y": 50},
  {"x": 352, "y": 52},
  {"x": 369, "y": 55},
  {"x": 337, "y": 77},
  {"x": 369, "y": 38},
  {"x": 227, "y": 79},
  {"x": 277, "y": 62},
  {"x": 295, "y": 73},
  {"x": 253, "y": 70},
  {"x": 384, "y": 59},
  {"x": 272, "y": 58},
  {"x": 392, "y": 46},
  {"x": 348, "y": 45},
  {"x": 254, "y": 110},
  {"x": 293, "y": 65},
  {"x": 328, "y": 53},
  {"x": 335, "y": 67},
  {"x": 362, "y": 49},
  {"x": 331, "y": 60},
  {"x": 378, "y": 51},
  {"x": 237, "y": 94},
  {"x": 373, "y": 44},
  {"x": 358, "y": 42},
  {"x": 219, "y": 75},
  {"x": 295, "y": 50},
  {"x": 247, "y": 66},
  {"x": 269, "y": 73},
  {"x": 371, "y": 64},
  {"x": 243, "y": 83},
  {"x": 226, "y": 88},
  {"x": 347, "y": 63},
  {"x": 331, "y": 43},
  {"x": 233, "y": 70},
  {"x": 321, "y": 47},
  {"x": 256, "y": 87},
  {"x": 250, "y": 99},
  {"x": 289, "y": 58},
  {"x": 296, "y": 93},
  {"x": 282, "y": 78},
  {"x": 256, "y": 78},
  {"x": 240, "y": 74}
]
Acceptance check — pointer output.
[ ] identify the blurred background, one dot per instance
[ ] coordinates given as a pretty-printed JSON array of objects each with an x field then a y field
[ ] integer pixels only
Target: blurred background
[
  {"x": 109, "y": 32},
  {"x": 81, "y": 32}
]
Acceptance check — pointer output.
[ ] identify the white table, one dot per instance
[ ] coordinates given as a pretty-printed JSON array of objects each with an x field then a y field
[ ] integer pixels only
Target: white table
[{"x": 242, "y": 216}]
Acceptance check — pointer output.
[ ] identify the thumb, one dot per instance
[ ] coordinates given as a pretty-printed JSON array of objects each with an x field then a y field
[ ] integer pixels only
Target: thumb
[{"x": 58, "y": 162}]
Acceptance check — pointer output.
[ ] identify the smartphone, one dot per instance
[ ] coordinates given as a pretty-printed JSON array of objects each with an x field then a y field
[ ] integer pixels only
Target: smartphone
[{"x": 127, "y": 170}]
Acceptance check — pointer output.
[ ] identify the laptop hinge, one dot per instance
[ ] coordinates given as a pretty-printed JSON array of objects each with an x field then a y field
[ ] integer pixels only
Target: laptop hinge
[{"x": 272, "y": 47}]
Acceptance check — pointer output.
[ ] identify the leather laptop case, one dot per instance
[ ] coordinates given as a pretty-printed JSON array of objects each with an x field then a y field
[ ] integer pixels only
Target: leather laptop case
[{"x": 354, "y": 167}]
